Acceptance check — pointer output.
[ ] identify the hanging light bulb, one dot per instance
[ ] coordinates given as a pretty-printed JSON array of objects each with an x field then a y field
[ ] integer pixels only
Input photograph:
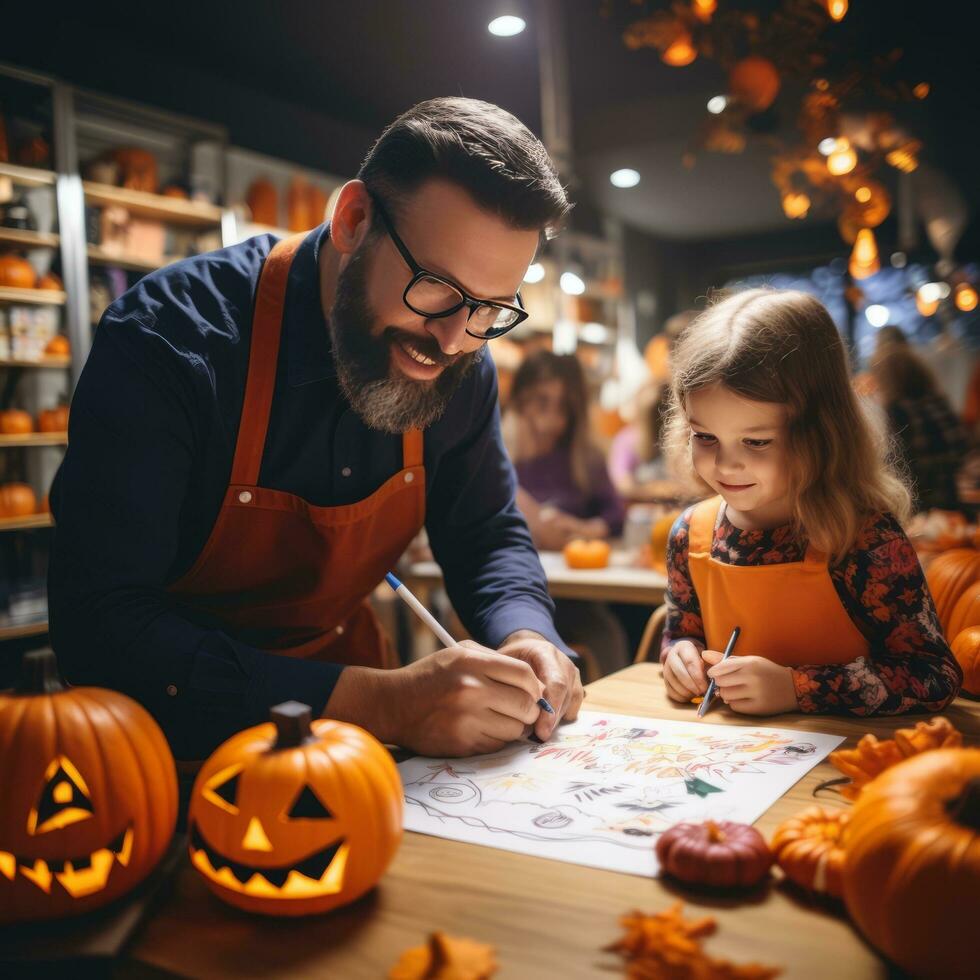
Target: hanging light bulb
[
  {"x": 965, "y": 297},
  {"x": 864, "y": 258},
  {"x": 837, "y": 9},
  {"x": 680, "y": 51},
  {"x": 843, "y": 160}
]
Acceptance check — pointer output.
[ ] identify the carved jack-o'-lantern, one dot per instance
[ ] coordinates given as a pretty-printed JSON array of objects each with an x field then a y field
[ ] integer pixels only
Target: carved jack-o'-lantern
[
  {"x": 289, "y": 819},
  {"x": 89, "y": 801}
]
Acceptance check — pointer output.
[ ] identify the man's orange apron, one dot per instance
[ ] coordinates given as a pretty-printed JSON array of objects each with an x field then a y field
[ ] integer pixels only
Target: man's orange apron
[
  {"x": 279, "y": 573},
  {"x": 788, "y": 613}
]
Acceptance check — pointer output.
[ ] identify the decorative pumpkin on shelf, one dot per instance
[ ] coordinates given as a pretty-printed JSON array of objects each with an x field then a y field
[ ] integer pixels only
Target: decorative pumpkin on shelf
[
  {"x": 90, "y": 795},
  {"x": 808, "y": 848},
  {"x": 17, "y": 500},
  {"x": 586, "y": 554},
  {"x": 16, "y": 422},
  {"x": 137, "y": 168},
  {"x": 949, "y": 575},
  {"x": 298, "y": 217},
  {"x": 50, "y": 280},
  {"x": 289, "y": 818},
  {"x": 719, "y": 854},
  {"x": 58, "y": 346},
  {"x": 263, "y": 201},
  {"x": 16, "y": 273},
  {"x": 966, "y": 649},
  {"x": 870, "y": 757},
  {"x": 53, "y": 419},
  {"x": 912, "y": 870}
]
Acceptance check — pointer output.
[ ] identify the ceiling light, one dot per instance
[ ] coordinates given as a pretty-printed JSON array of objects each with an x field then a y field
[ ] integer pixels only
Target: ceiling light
[
  {"x": 535, "y": 272},
  {"x": 572, "y": 284},
  {"x": 717, "y": 104},
  {"x": 506, "y": 26},
  {"x": 624, "y": 178},
  {"x": 877, "y": 315}
]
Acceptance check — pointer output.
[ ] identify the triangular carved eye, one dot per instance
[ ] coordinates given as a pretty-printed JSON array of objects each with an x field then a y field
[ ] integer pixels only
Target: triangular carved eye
[
  {"x": 222, "y": 788},
  {"x": 64, "y": 799},
  {"x": 308, "y": 807}
]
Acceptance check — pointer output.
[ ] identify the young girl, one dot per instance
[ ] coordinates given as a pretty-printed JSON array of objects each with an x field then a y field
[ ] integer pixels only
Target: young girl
[{"x": 802, "y": 548}]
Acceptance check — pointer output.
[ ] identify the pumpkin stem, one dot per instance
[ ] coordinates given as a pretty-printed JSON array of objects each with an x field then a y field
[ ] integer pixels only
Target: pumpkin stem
[
  {"x": 965, "y": 808},
  {"x": 715, "y": 834},
  {"x": 292, "y": 720},
  {"x": 39, "y": 673}
]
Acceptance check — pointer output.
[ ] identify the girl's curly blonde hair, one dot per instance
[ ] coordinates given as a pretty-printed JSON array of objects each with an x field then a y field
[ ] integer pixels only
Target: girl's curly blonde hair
[{"x": 782, "y": 347}]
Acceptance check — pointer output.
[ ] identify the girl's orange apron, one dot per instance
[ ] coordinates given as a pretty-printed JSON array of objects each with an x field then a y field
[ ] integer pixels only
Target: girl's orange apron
[
  {"x": 279, "y": 573},
  {"x": 788, "y": 613}
]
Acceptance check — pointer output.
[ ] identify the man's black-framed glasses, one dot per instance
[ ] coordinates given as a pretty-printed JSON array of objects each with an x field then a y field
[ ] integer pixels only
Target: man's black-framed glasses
[{"x": 433, "y": 296}]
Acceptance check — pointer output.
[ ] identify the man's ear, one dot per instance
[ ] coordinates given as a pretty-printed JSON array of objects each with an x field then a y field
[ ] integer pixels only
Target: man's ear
[{"x": 350, "y": 223}]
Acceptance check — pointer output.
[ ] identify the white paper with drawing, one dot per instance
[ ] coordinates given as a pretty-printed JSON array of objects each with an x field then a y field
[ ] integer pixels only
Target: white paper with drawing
[{"x": 602, "y": 789}]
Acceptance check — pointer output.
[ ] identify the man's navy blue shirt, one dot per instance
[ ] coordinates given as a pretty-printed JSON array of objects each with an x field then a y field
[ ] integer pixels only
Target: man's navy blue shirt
[{"x": 153, "y": 427}]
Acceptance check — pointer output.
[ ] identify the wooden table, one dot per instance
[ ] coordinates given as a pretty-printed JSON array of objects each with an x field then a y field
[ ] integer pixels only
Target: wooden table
[
  {"x": 619, "y": 582},
  {"x": 547, "y": 919}
]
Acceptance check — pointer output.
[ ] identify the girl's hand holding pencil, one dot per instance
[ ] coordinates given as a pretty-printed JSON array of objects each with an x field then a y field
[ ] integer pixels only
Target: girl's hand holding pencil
[{"x": 752, "y": 685}]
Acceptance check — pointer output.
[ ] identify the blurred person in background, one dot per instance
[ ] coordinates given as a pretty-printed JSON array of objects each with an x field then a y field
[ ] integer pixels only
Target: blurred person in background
[
  {"x": 564, "y": 490},
  {"x": 930, "y": 437}
]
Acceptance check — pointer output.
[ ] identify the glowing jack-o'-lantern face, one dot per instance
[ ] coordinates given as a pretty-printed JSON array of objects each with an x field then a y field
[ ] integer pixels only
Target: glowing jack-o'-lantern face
[
  {"x": 291, "y": 819},
  {"x": 91, "y": 796}
]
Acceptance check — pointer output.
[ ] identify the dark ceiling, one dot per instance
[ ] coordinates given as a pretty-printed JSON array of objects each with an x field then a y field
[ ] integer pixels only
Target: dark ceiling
[{"x": 315, "y": 80}]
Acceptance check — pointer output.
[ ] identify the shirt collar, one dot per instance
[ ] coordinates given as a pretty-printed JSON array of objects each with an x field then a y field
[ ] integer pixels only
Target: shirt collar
[{"x": 308, "y": 347}]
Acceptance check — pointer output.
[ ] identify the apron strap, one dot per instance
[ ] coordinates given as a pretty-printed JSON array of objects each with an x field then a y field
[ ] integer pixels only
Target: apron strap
[
  {"x": 411, "y": 448},
  {"x": 702, "y": 528},
  {"x": 263, "y": 357}
]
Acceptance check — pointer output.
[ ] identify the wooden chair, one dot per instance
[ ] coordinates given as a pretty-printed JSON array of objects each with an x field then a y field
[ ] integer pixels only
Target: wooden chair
[{"x": 649, "y": 648}]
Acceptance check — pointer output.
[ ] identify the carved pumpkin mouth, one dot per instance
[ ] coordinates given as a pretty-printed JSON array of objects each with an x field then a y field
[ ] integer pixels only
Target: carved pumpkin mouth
[
  {"x": 79, "y": 876},
  {"x": 322, "y": 873}
]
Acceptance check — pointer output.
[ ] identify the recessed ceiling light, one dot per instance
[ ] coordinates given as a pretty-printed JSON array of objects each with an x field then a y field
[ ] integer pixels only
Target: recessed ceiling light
[
  {"x": 717, "y": 104},
  {"x": 624, "y": 178},
  {"x": 506, "y": 26}
]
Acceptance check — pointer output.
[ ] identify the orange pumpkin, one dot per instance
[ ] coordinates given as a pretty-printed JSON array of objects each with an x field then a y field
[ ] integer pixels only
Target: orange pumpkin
[
  {"x": 172, "y": 190},
  {"x": 45, "y": 506},
  {"x": 263, "y": 201},
  {"x": 50, "y": 281},
  {"x": 966, "y": 649},
  {"x": 966, "y": 612},
  {"x": 871, "y": 758},
  {"x": 53, "y": 419},
  {"x": 298, "y": 217},
  {"x": 17, "y": 500},
  {"x": 89, "y": 799},
  {"x": 809, "y": 849},
  {"x": 755, "y": 83},
  {"x": 15, "y": 422},
  {"x": 58, "y": 346},
  {"x": 586, "y": 554},
  {"x": 719, "y": 854},
  {"x": 912, "y": 868},
  {"x": 949, "y": 575},
  {"x": 287, "y": 818},
  {"x": 137, "y": 168},
  {"x": 16, "y": 273}
]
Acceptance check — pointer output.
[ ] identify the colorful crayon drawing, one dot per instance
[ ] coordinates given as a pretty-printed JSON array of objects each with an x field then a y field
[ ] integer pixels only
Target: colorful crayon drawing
[{"x": 603, "y": 788}]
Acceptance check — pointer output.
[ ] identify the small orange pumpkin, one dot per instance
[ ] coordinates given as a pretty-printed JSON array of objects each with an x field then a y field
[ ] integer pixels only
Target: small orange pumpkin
[
  {"x": 809, "y": 849},
  {"x": 289, "y": 819},
  {"x": 16, "y": 422},
  {"x": 17, "y": 500},
  {"x": 53, "y": 419},
  {"x": 587, "y": 554},
  {"x": 912, "y": 867},
  {"x": 263, "y": 201},
  {"x": 720, "y": 854},
  {"x": 949, "y": 575},
  {"x": 89, "y": 797},
  {"x": 16, "y": 273},
  {"x": 966, "y": 649},
  {"x": 50, "y": 281},
  {"x": 966, "y": 612},
  {"x": 58, "y": 346},
  {"x": 871, "y": 758}
]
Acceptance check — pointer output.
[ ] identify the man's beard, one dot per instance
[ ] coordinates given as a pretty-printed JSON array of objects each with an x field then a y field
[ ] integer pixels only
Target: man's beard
[{"x": 381, "y": 396}]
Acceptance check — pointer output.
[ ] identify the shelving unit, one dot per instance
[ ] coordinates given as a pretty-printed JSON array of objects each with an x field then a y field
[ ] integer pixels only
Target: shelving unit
[
  {"x": 35, "y": 297},
  {"x": 174, "y": 210},
  {"x": 34, "y": 439},
  {"x": 30, "y": 523},
  {"x": 24, "y": 238}
]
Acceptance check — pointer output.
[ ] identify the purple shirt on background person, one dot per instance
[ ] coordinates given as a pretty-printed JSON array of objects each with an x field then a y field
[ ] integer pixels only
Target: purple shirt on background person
[{"x": 549, "y": 480}]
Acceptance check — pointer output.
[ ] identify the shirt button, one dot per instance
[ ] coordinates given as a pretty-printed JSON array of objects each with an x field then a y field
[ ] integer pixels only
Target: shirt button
[
  {"x": 245, "y": 497},
  {"x": 345, "y": 471},
  {"x": 172, "y": 690},
  {"x": 409, "y": 477}
]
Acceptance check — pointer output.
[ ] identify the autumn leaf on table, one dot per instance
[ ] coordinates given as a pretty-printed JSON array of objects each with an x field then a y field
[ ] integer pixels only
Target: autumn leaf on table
[{"x": 446, "y": 958}]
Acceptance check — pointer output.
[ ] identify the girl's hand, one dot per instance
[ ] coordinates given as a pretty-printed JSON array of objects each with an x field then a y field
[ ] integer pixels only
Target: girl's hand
[
  {"x": 684, "y": 673},
  {"x": 752, "y": 685}
]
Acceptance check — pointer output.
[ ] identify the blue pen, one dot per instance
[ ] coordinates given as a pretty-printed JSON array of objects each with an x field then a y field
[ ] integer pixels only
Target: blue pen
[
  {"x": 709, "y": 694},
  {"x": 403, "y": 592}
]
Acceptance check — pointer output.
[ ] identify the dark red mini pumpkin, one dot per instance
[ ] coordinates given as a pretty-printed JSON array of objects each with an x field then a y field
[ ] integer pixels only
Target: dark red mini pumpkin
[{"x": 716, "y": 853}]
